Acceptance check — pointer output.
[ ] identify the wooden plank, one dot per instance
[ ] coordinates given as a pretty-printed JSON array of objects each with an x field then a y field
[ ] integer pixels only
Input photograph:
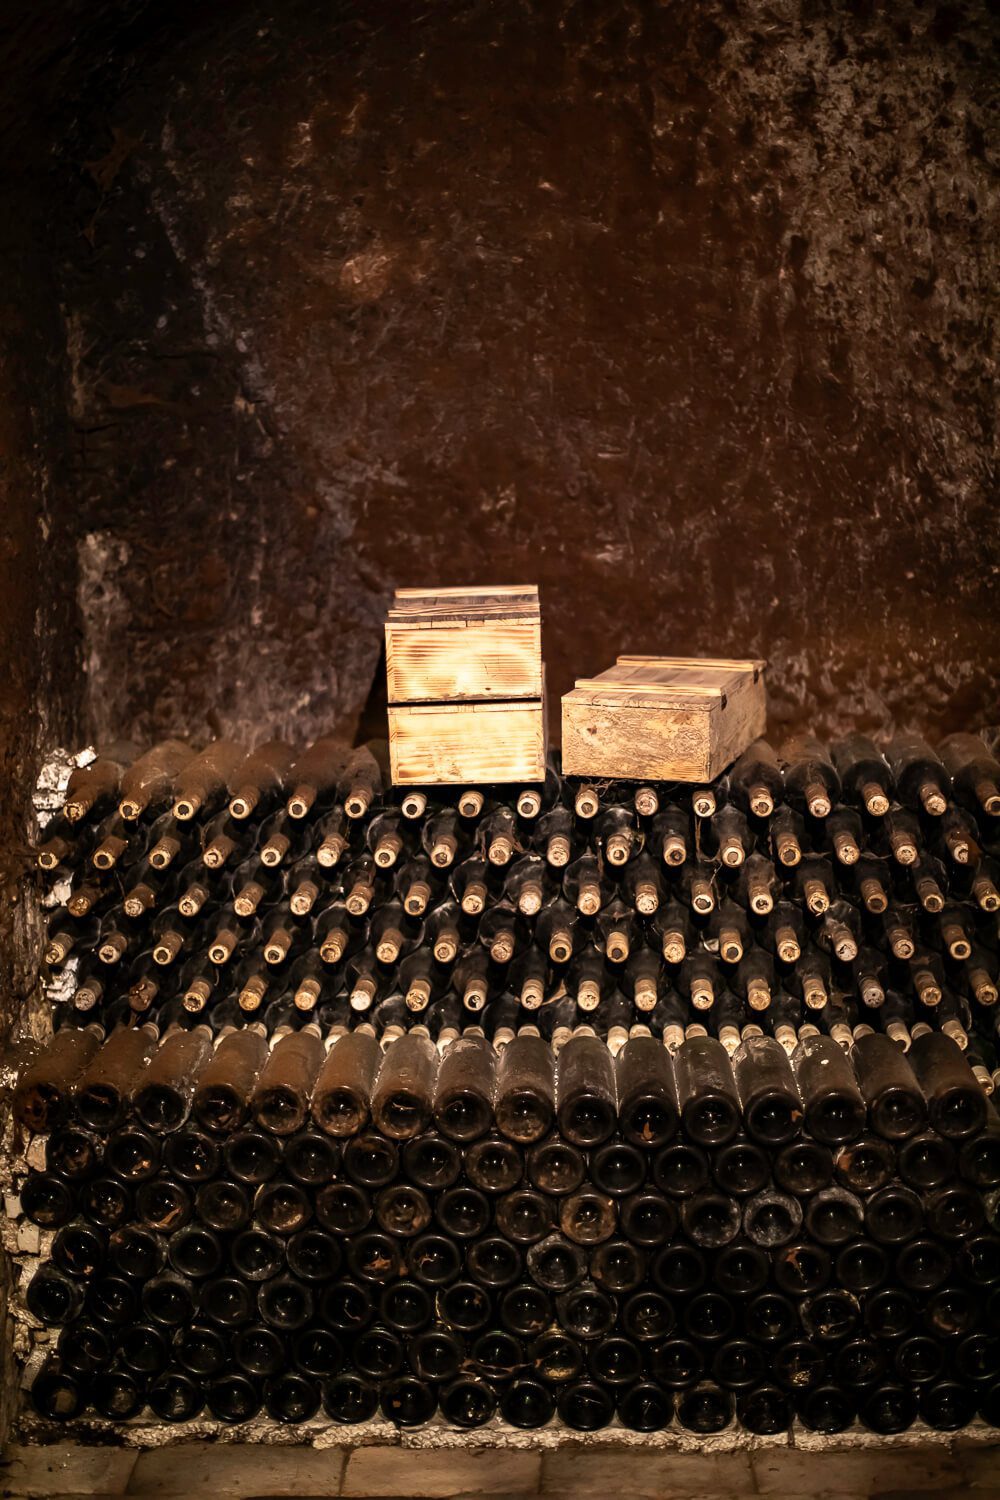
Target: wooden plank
[
  {"x": 416, "y": 606},
  {"x": 635, "y": 741},
  {"x": 467, "y": 743},
  {"x": 646, "y": 695},
  {"x": 499, "y": 659},
  {"x": 740, "y": 663},
  {"x": 743, "y": 721}
]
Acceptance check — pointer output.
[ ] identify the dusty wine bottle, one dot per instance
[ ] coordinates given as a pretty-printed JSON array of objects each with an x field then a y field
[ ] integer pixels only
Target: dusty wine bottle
[
  {"x": 956, "y": 1105},
  {"x": 811, "y": 782},
  {"x": 706, "y": 1091},
  {"x": 280, "y": 1099},
  {"x": 403, "y": 1094},
  {"x": 164, "y": 1091},
  {"x": 314, "y": 775},
  {"x": 921, "y": 780},
  {"x": 864, "y": 773},
  {"x": 585, "y": 1090},
  {"x": 44, "y": 1088},
  {"x": 974, "y": 772},
  {"x": 833, "y": 1104},
  {"x": 524, "y": 1101}
]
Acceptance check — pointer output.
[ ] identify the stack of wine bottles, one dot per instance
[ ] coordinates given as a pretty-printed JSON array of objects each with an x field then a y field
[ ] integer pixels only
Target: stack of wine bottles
[{"x": 588, "y": 1100}]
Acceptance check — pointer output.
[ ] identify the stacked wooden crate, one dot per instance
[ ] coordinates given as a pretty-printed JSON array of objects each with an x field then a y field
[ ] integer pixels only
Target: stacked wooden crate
[
  {"x": 466, "y": 686},
  {"x": 663, "y": 718}
]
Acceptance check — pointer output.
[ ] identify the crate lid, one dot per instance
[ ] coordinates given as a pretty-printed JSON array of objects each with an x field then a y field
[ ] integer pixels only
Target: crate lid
[
  {"x": 667, "y": 682},
  {"x": 425, "y": 606}
]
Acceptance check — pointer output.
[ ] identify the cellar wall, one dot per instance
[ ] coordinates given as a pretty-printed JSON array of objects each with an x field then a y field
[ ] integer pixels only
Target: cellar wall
[
  {"x": 38, "y": 659},
  {"x": 681, "y": 311}
]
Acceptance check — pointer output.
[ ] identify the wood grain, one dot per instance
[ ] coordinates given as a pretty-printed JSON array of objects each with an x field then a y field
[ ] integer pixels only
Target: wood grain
[
  {"x": 467, "y": 659},
  {"x": 455, "y": 743},
  {"x": 463, "y": 603}
]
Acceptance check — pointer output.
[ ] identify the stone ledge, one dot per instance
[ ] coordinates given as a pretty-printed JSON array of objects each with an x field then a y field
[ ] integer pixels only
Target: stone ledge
[
  {"x": 442, "y": 1473},
  {"x": 646, "y": 1474},
  {"x": 203, "y": 1468},
  {"x": 859, "y": 1470},
  {"x": 68, "y": 1467}
]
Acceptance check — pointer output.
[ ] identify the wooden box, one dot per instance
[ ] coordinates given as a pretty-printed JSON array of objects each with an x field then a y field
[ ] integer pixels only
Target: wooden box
[
  {"x": 467, "y": 743},
  {"x": 469, "y": 643},
  {"x": 663, "y": 718}
]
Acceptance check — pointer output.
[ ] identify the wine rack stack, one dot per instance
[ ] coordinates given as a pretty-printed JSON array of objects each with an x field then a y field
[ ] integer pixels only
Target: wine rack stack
[{"x": 572, "y": 1102}]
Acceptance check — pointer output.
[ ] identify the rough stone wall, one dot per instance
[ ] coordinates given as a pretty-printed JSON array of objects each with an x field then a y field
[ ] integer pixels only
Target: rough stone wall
[
  {"x": 682, "y": 310},
  {"x": 37, "y": 642}
]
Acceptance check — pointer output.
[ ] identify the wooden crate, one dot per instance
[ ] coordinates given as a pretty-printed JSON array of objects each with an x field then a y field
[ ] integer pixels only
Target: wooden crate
[
  {"x": 467, "y": 743},
  {"x": 663, "y": 718},
  {"x": 465, "y": 643}
]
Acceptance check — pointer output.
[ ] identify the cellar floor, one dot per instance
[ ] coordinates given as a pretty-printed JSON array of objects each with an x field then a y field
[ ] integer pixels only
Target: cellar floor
[{"x": 260, "y": 1462}]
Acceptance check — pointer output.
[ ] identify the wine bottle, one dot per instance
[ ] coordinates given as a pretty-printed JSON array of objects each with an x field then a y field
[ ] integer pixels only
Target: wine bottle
[
  {"x": 756, "y": 781},
  {"x": 418, "y": 886},
  {"x": 280, "y": 1099},
  {"x": 811, "y": 782},
  {"x": 670, "y": 837},
  {"x": 729, "y": 837},
  {"x": 834, "y": 1108},
  {"x": 740, "y": 1167},
  {"x": 526, "y": 1403},
  {"x": 221, "y": 1099},
  {"x": 463, "y": 1094},
  {"x": 985, "y": 885},
  {"x": 757, "y": 888},
  {"x": 584, "y": 886},
  {"x": 617, "y": 1266},
  {"x": 585, "y": 1090},
  {"x": 707, "y": 1091},
  {"x": 494, "y": 1165},
  {"x": 524, "y": 1102},
  {"x": 314, "y": 775},
  {"x": 164, "y": 1091},
  {"x": 974, "y": 773},
  {"x": 201, "y": 785},
  {"x": 402, "y": 1097},
  {"x": 705, "y": 1408},
  {"x": 259, "y": 780},
  {"x": 530, "y": 885},
  {"x": 921, "y": 781},
  {"x": 45, "y": 1087},
  {"x": 768, "y": 1092},
  {"x": 65, "y": 937},
  {"x": 93, "y": 788},
  {"x": 253, "y": 884},
  {"x": 956, "y": 1105},
  {"x": 342, "y": 1093},
  {"x": 833, "y": 1216},
  {"x": 363, "y": 777},
  {"x": 787, "y": 836},
  {"x": 864, "y": 774},
  {"x": 648, "y": 1108},
  {"x": 147, "y": 784},
  {"x": 958, "y": 840},
  {"x": 103, "y": 1089},
  {"x": 331, "y": 837},
  {"x": 555, "y": 838}
]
